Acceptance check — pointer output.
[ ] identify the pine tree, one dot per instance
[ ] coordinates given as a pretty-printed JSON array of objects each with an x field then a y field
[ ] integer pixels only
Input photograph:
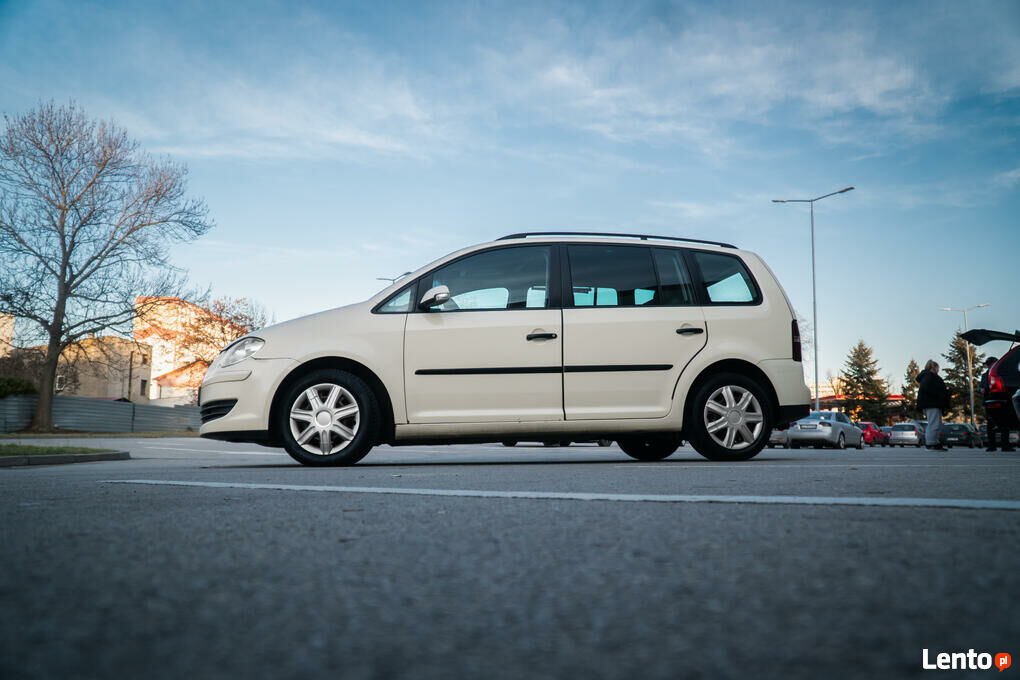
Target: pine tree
[
  {"x": 866, "y": 392},
  {"x": 955, "y": 375},
  {"x": 909, "y": 390}
]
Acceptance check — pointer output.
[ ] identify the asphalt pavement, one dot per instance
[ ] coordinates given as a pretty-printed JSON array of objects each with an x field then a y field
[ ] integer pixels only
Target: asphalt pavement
[{"x": 203, "y": 559}]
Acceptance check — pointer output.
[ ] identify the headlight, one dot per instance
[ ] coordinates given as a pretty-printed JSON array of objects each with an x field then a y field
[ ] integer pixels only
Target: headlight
[{"x": 240, "y": 351}]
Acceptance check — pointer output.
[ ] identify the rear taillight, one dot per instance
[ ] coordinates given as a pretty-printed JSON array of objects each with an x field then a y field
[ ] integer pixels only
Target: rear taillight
[
  {"x": 995, "y": 381},
  {"x": 795, "y": 332}
]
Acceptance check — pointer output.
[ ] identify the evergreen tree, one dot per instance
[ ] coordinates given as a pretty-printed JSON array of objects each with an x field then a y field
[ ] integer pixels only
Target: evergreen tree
[
  {"x": 866, "y": 392},
  {"x": 955, "y": 374},
  {"x": 909, "y": 391}
]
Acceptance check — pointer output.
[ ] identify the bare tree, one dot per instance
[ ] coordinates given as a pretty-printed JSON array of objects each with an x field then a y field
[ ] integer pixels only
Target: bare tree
[
  {"x": 86, "y": 222},
  {"x": 228, "y": 319}
]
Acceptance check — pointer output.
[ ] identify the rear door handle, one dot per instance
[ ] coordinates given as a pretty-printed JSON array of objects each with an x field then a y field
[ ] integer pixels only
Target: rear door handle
[
  {"x": 688, "y": 330},
  {"x": 541, "y": 336}
]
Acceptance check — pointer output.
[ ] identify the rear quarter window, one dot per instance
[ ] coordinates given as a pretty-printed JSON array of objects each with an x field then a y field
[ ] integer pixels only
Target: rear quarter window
[{"x": 725, "y": 279}]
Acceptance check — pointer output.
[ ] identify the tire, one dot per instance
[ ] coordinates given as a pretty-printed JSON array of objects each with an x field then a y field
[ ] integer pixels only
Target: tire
[
  {"x": 509, "y": 442},
  {"x": 550, "y": 443},
  {"x": 652, "y": 447},
  {"x": 794, "y": 445},
  {"x": 729, "y": 418},
  {"x": 341, "y": 398},
  {"x": 841, "y": 441},
  {"x": 605, "y": 442},
  {"x": 860, "y": 443}
]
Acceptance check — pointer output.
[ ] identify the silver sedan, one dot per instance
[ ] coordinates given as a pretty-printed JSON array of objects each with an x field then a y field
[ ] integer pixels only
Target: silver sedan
[{"x": 825, "y": 428}]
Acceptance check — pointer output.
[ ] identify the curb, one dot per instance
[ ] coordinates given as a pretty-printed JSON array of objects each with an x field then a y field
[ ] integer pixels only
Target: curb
[{"x": 62, "y": 458}]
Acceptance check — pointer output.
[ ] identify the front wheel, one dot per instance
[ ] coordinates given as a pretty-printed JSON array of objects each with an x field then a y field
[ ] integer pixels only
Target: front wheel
[
  {"x": 650, "y": 448},
  {"x": 730, "y": 418},
  {"x": 329, "y": 417}
]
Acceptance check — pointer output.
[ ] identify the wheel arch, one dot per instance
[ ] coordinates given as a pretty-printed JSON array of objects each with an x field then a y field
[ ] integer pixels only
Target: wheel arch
[
  {"x": 386, "y": 427},
  {"x": 740, "y": 367}
]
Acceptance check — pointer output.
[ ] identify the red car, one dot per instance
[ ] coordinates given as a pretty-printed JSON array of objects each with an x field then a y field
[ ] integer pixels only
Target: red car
[{"x": 872, "y": 435}]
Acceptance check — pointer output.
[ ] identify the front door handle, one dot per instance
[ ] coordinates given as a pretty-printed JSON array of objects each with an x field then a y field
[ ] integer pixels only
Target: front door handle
[
  {"x": 541, "y": 336},
  {"x": 688, "y": 330}
]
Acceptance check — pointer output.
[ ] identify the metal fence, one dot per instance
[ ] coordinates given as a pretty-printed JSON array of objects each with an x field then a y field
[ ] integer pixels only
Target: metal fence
[{"x": 98, "y": 415}]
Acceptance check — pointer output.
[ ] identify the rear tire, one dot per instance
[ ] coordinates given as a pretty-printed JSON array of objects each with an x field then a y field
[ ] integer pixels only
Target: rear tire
[
  {"x": 605, "y": 442},
  {"x": 328, "y": 417},
  {"x": 510, "y": 443},
  {"x": 730, "y": 418},
  {"x": 841, "y": 441},
  {"x": 652, "y": 447}
]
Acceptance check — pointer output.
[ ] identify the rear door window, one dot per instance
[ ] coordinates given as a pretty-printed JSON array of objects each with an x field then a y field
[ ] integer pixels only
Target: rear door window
[
  {"x": 677, "y": 286},
  {"x": 612, "y": 276}
]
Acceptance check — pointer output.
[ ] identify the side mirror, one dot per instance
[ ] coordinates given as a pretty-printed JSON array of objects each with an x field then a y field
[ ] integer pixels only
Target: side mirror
[{"x": 434, "y": 297}]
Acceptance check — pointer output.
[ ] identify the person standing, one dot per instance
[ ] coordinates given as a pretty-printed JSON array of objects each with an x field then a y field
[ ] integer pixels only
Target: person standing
[
  {"x": 932, "y": 400},
  {"x": 995, "y": 420}
]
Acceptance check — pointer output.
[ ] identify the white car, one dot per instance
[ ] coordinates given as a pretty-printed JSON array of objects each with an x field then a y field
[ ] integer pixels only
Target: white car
[{"x": 640, "y": 339}]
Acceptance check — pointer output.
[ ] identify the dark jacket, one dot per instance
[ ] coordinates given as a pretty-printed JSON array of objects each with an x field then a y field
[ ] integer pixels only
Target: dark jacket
[
  {"x": 983, "y": 385},
  {"x": 932, "y": 392}
]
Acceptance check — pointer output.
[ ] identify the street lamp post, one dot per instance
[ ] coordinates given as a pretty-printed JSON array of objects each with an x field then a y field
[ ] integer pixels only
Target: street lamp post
[
  {"x": 814, "y": 292},
  {"x": 966, "y": 348}
]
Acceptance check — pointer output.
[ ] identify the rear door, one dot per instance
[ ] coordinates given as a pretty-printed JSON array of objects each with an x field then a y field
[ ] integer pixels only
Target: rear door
[{"x": 627, "y": 336}]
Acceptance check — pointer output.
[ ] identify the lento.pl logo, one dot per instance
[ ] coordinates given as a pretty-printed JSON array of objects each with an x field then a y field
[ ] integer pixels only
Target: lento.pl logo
[{"x": 969, "y": 660}]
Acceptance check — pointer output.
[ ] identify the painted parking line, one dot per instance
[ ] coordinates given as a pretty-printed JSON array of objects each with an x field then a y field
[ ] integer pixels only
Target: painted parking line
[
  {"x": 966, "y": 503},
  {"x": 236, "y": 453}
]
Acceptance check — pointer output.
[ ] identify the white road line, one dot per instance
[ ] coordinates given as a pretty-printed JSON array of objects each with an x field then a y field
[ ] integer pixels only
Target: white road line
[
  {"x": 236, "y": 453},
  {"x": 967, "y": 503}
]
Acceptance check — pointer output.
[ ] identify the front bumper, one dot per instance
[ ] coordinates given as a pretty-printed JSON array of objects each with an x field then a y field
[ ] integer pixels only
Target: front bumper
[{"x": 251, "y": 384}]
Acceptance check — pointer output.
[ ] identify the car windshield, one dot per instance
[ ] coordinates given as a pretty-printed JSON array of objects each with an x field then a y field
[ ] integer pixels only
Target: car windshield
[
  {"x": 903, "y": 428},
  {"x": 821, "y": 415},
  {"x": 956, "y": 427}
]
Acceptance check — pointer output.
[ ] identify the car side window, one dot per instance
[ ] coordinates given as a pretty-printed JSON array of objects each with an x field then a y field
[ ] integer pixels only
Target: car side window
[
  {"x": 725, "y": 279},
  {"x": 502, "y": 278},
  {"x": 399, "y": 303},
  {"x": 612, "y": 276},
  {"x": 675, "y": 280}
]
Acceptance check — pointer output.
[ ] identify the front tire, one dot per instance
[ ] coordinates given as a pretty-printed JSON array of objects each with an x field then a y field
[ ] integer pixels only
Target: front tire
[
  {"x": 328, "y": 417},
  {"x": 730, "y": 418},
  {"x": 650, "y": 448}
]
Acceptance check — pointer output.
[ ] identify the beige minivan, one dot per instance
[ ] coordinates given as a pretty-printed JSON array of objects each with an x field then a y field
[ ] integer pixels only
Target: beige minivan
[{"x": 646, "y": 340}]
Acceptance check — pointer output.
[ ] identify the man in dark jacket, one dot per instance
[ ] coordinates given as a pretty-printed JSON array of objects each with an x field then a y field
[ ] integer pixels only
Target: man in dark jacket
[
  {"x": 995, "y": 423},
  {"x": 932, "y": 400}
]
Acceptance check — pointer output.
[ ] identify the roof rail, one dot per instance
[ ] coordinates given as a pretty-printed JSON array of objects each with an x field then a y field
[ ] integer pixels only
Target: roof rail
[{"x": 643, "y": 237}]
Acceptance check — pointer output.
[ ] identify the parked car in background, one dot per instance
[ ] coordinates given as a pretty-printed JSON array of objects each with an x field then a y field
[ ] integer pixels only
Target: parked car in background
[
  {"x": 943, "y": 441},
  {"x": 873, "y": 435},
  {"x": 906, "y": 434},
  {"x": 779, "y": 437},
  {"x": 962, "y": 434},
  {"x": 825, "y": 428}
]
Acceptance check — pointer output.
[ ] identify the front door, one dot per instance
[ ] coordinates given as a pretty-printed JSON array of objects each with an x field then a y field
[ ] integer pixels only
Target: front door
[{"x": 493, "y": 352}]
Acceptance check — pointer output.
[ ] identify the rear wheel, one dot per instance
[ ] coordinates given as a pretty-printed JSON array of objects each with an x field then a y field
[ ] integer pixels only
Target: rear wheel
[
  {"x": 730, "y": 418},
  {"x": 509, "y": 442},
  {"x": 651, "y": 447},
  {"x": 329, "y": 417},
  {"x": 605, "y": 442},
  {"x": 841, "y": 441}
]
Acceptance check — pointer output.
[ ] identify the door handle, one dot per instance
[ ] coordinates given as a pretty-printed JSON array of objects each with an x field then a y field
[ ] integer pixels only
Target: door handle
[
  {"x": 541, "y": 336},
  {"x": 688, "y": 330}
]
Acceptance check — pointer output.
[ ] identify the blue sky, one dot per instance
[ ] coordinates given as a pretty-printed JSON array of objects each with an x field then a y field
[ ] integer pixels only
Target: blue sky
[{"x": 338, "y": 142}]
